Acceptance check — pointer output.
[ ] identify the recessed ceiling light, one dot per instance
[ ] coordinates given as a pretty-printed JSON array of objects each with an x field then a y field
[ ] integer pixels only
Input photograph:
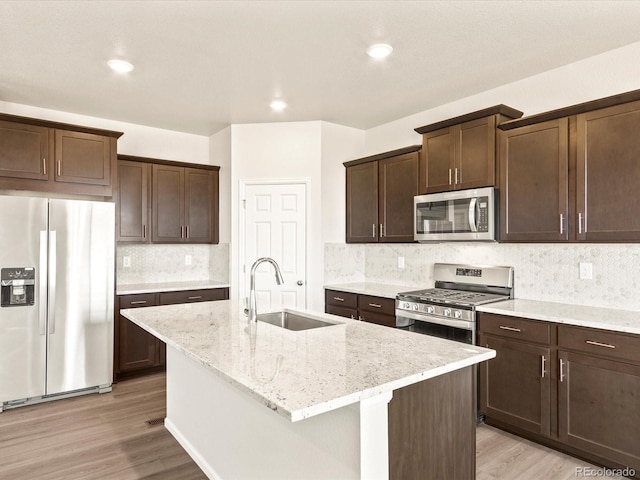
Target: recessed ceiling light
[
  {"x": 278, "y": 105},
  {"x": 120, "y": 66},
  {"x": 379, "y": 50}
]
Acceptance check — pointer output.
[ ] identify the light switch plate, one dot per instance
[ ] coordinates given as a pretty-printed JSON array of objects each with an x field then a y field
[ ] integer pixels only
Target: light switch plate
[
  {"x": 187, "y": 259},
  {"x": 586, "y": 270},
  {"x": 126, "y": 261},
  {"x": 401, "y": 263}
]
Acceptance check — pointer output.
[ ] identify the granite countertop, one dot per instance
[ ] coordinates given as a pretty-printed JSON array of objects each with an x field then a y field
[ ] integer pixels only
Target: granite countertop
[
  {"x": 304, "y": 373},
  {"x": 595, "y": 317},
  {"x": 371, "y": 288},
  {"x": 135, "y": 288}
]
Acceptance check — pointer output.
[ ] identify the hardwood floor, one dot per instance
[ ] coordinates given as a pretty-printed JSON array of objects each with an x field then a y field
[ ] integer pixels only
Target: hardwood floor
[
  {"x": 95, "y": 437},
  {"x": 107, "y": 437},
  {"x": 500, "y": 455}
]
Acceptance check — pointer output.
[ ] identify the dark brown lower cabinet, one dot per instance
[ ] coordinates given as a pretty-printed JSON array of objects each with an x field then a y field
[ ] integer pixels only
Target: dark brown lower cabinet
[
  {"x": 432, "y": 429},
  {"x": 572, "y": 388},
  {"x": 514, "y": 388},
  {"x": 366, "y": 308},
  {"x": 599, "y": 407},
  {"x": 137, "y": 352}
]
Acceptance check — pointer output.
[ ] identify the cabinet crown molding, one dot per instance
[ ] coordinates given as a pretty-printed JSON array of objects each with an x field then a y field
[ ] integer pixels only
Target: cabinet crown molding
[
  {"x": 501, "y": 109},
  {"x": 382, "y": 156},
  {"x": 59, "y": 125}
]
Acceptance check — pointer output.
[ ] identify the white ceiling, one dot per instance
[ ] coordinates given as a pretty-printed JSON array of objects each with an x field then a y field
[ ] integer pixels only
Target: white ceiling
[{"x": 201, "y": 65}]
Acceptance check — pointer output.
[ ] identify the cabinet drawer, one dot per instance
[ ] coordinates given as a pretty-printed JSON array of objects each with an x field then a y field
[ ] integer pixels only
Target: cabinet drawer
[
  {"x": 515, "y": 327},
  {"x": 379, "y": 318},
  {"x": 600, "y": 342},
  {"x": 341, "y": 311},
  {"x": 190, "y": 296},
  {"x": 386, "y": 306},
  {"x": 140, "y": 300},
  {"x": 340, "y": 299}
]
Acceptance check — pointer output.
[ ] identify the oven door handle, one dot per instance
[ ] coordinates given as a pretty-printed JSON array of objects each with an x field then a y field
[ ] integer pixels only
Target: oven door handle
[
  {"x": 473, "y": 220},
  {"x": 449, "y": 322}
]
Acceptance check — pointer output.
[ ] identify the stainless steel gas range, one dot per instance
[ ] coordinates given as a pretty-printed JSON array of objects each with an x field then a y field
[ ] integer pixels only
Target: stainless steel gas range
[{"x": 449, "y": 309}]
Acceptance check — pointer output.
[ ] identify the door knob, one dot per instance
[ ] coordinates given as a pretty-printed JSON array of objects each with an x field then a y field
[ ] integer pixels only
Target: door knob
[{"x": 300, "y": 282}]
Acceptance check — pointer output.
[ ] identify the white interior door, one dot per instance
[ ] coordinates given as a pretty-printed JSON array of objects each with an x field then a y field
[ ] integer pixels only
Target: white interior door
[{"x": 275, "y": 226}]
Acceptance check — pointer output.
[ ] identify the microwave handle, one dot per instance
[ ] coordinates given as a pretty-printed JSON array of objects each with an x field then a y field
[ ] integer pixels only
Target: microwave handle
[{"x": 472, "y": 215}]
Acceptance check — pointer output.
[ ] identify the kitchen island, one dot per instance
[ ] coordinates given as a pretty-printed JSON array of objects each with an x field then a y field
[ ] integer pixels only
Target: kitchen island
[{"x": 349, "y": 400}]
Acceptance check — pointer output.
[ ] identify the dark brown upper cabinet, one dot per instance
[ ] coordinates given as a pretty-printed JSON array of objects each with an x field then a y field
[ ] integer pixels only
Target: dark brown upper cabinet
[
  {"x": 380, "y": 191},
  {"x": 572, "y": 174},
  {"x": 460, "y": 153},
  {"x": 534, "y": 182},
  {"x": 39, "y": 155},
  {"x": 133, "y": 202},
  {"x": 163, "y": 201}
]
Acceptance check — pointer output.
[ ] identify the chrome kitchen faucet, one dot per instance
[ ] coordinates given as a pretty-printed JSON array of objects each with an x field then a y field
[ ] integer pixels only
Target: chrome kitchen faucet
[{"x": 252, "y": 313}]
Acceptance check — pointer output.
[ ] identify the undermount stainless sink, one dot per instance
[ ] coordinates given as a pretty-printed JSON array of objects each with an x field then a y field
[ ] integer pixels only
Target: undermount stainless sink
[{"x": 292, "y": 321}]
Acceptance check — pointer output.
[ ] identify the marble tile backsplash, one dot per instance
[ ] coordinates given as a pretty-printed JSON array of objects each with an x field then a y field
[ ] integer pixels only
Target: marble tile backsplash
[
  {"x": 548, "y": 272},
  {"x": 166, "y": 263}
]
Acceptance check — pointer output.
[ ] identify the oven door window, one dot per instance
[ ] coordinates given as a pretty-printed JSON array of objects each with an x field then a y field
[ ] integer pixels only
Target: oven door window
[{"x": 443, "y": 331}]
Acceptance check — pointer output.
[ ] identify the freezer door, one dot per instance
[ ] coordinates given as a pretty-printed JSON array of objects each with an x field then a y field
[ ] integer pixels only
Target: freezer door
[
  {"x": 81, "y": 289},
  {"x": 23, "y": 243}
]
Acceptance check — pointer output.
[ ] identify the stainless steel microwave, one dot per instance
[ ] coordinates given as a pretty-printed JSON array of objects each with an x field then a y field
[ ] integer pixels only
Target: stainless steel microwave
[{"x": 463, "y": 215}]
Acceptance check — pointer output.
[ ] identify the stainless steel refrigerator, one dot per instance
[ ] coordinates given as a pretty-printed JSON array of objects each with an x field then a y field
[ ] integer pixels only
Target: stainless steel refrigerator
[{"x": 57, "y": 287}]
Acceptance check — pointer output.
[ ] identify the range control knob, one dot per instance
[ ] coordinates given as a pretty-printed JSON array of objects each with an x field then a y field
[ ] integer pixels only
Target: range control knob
[
  {"x": 406, "y": 305},
  {"x": 446, "y": 312},
  {"x": 430, "y": 309},
  {"x": 457, "y": 313},
  {"x": 415, "y": 307}
]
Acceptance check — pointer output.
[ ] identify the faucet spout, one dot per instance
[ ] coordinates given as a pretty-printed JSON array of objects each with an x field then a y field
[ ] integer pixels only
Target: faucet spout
[{"x": 252, "y": 313}]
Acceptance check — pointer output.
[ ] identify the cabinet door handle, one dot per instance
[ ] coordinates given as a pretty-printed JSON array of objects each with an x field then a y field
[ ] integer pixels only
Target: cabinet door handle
[
  {"x": 542, "y": 367},
  {"x": 561, "y": 370},
  {"x": 181, "y": 231},
  {"x": 511, "y": 329},
  {"x": 144, "y": 231},
  {"x": 139, "y": 302},
  {"x": 338, "y": 299},
  {"x": 456, "y": 176},
  {"x": 352, "y": 317},
  {"x": 449, "y": 176},
  {"x": 599, "y": 344},
  {"x": 360, "y": 318},
  {"x": 375, "y": 305},
  {"x": 580, "y": 223},
  {"x": 561, "y": 224},
  {"x": 381, "y": 231},
  {"x": 373, "y": 234},
  {"x": 44, "y": 166},
  {"x": 187, "y": 231},
  {"x": 59, "y": 168},
  {"x": 194, "y": 298}
]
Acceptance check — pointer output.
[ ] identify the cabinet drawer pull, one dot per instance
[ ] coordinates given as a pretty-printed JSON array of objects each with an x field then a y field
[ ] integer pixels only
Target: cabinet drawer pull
[
  {"x": 44, "y": 166},
  {"x": 139, "y": 302},
  {"x": 542, "y": 367},
  {"x": 511, "y": 329},
  {"x": 561, "y": 370},
  {"x": 375, "y": 305},
  {"x": 599, "y": 344},
  {"x": 338, "y": 299},
  {"x": 194, "y": 298}
]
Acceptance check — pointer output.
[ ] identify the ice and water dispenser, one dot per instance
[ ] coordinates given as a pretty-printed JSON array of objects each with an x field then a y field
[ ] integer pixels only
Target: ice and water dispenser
[{"x": 17, "y": 286}]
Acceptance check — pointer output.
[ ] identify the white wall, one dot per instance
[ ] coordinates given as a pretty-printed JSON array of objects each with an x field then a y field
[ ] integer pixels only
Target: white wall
[
  {"x": 137, "y": 140},
  {"x": 278, "y": 151},
  {"x": 612, "y": 72},
  {"x": 220, "y": 154}
]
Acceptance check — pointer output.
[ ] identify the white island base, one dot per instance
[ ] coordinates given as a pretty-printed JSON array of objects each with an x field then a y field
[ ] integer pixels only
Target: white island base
[{"x": 230, "y": 435}]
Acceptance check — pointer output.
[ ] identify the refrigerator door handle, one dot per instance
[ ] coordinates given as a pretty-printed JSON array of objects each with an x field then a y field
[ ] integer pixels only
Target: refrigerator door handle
[
  {"x": 41, "y": 276},
  {"x": 52, "y": 282}
]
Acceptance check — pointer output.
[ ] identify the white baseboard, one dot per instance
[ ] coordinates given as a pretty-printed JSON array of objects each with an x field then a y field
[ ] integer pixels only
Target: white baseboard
[{"x": 193, "y": 453}]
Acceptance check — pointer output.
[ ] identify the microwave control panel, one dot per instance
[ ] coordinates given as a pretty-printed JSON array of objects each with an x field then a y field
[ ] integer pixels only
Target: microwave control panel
[{"x": 483, "y": 214}]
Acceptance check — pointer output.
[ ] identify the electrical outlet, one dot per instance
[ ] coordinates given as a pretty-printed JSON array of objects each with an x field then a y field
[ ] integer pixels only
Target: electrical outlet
[
  {"x": 187, "y": 259},
  {"x": 126, "y": 261},
  {"x": 401, "y": 263},
  {"x": 586, "y": 270}
]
